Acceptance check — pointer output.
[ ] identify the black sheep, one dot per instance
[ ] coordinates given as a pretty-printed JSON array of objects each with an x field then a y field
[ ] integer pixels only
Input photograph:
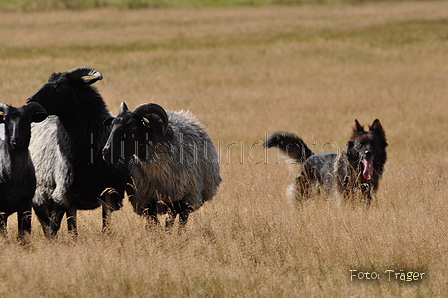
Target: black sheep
[
  {"x": 66, "y": 149},
  {"x": 17, "y": 175}
]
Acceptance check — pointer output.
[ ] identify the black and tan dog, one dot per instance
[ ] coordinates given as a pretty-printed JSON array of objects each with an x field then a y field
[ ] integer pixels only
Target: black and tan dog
[{"x": 354, "y": 173}]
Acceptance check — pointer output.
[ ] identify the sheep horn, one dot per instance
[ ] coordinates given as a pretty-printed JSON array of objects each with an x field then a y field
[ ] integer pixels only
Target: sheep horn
[
  {"x": 123, "y": 108},
  {"x": 147, "y": 108},
  {"x": 79, "y": 72}
]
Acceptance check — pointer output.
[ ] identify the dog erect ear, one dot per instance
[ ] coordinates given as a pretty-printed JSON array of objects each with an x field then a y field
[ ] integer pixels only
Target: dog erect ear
[
  {"x": 377, "y": 129},
  {"x": 357, "y": 128}
]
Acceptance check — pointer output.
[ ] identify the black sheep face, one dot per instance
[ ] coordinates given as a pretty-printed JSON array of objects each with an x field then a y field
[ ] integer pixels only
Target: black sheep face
[
  {"x": 137, "y": 133},
  {"x": 129, "y": 136},
  {"x": 18, "y": 124}
]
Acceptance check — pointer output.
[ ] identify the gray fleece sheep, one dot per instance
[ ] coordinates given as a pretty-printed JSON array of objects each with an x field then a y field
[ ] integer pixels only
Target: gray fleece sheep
[
  {"x": 17, "y": 175},
  {"x": 171, "y": 158}
]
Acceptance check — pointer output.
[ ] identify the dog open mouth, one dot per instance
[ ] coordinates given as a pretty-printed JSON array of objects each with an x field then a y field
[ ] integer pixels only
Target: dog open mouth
[{"x": 367, "y": 173}]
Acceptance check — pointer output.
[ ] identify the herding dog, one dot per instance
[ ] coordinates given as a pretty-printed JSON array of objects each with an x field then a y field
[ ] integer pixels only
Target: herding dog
[{"x": 354, "y": 173}]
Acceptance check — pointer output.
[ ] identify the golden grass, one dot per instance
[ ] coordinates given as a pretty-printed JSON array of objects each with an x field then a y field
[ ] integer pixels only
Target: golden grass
[{"x": 246, "y": 72}]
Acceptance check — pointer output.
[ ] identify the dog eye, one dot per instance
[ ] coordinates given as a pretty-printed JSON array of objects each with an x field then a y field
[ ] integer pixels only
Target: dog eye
[{"x": 133, "y": 127}]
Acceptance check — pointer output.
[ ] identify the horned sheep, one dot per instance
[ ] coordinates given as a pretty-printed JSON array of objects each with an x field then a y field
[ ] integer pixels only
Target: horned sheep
[
  {"x": 171, "y": 159},
  {"x": 66, "y": 149}
]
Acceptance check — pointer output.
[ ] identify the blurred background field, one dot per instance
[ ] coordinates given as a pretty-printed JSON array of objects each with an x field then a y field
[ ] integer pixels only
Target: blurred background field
[
  {"x": 35, "y": 5},
  {"x": 246, "y": 72}
]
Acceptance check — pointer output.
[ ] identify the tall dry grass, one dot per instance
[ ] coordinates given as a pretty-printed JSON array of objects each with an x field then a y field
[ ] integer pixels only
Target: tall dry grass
[{"x": 245, "y": 73}]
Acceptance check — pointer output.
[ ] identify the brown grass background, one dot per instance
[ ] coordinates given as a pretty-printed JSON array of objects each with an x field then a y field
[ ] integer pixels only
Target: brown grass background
[{"x": 245, "y": 72}]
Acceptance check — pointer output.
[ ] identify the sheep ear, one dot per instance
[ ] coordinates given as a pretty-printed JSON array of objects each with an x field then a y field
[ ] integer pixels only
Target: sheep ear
[
  {"x": 108, "y": 121},
  {"x": 37, "y": 112},
  {"x": 39, "y": 117}
]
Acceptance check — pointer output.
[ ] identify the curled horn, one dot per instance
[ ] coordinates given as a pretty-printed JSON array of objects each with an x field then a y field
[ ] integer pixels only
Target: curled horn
[
  {"x": 123, "y": 108},
  {"x": 147, "y": 108},
  {"x": 79, "y": 72}
]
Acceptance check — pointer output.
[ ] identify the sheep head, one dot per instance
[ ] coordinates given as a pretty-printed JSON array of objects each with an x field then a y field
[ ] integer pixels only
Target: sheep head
[
  {"x": 133, "y": 130},
  {"x": 18, "y": 123},
  {"x": 65, "y": 91}
]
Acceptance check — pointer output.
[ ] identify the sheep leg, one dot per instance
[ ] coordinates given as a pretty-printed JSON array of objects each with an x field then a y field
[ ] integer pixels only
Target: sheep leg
[
  {"x": 110, "y": 201},
  {"x": 130, "y": 189},
  {"x": 152, "y": 221},
  {"x": 3, "y": 223},
  {"x": 71, "y": 222},
  {"x": 183, "y": 218},
  {"x": 24, "y": 222},
  {"x": 106, "y": 218},
  {"x": 184, "y": 212},
  {"x": 169, "y": 220},
  {"x": 150, "y": 213},
  {"x": 178, "y": 208},
  {"x": 106, "y": 210}
]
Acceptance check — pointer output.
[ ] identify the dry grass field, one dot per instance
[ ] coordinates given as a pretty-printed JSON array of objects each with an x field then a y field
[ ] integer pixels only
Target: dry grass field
[{"x": 246, "y": 72}]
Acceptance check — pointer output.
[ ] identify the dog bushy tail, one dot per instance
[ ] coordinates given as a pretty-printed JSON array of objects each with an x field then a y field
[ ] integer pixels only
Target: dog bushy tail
[{"x": 290, "y": 144}]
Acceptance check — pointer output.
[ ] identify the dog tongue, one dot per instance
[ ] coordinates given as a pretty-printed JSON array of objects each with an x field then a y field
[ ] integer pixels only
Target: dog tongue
[{"x": 368, "y": 168}]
